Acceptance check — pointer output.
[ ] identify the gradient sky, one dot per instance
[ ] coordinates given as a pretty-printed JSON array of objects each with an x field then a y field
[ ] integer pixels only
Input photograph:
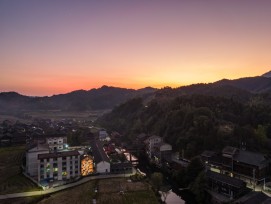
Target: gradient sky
[{"x": 50, "y": 47}]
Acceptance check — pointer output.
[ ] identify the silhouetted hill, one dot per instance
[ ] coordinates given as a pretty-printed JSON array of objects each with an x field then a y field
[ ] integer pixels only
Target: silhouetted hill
[
  {"x": 102, "y": 98},
  {"x": 226, "y": 91},
  {"x": 241, "y": 89},
  {"x": 267, "y": 74},
  {"x": 107, "y": 97},
  {"x": 252, "y": 84},
  {"x": 200, "y": 116}
]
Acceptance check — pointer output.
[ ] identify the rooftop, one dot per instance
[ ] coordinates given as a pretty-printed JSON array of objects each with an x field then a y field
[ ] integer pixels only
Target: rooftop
[
  {"x": 254, "y": 197},
  {"x": 98, "y": 152},
  {"x": 58, "y": 154},
  {"x": 208, "y": 153},
  {"x": 229, "y": 150},
  {"x": 55, "y": 135},
  {"x": 251, "y": 158},
  {"x": 225, "y": 179}
]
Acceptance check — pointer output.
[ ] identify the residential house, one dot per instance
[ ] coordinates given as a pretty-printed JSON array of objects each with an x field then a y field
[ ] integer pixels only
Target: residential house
[
  {"x": 103, "y": 135},
  {"x": 249, "y": 166},
  {"x": 101, "y": 160},
  {"x": 224, "y": 185},
  {"x": 157, "y": 149}
]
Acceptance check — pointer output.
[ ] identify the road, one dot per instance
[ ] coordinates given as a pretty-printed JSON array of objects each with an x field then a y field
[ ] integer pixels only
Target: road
[{"x": 59, "y": 188}]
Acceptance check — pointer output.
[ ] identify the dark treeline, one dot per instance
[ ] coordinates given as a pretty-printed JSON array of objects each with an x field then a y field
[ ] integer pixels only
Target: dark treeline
[{"x": 194, "y": 123}]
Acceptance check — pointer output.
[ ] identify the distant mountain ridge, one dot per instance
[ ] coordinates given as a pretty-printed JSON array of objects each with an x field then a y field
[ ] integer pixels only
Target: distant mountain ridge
[
  {"x": 268, "y": 74},
  {"x": 108, "y": 97},
  {"x": 105, "y": 97},
  {"x": 242, "y": 89}
]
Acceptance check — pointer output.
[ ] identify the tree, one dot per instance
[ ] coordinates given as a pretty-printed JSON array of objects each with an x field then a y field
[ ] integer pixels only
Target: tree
[
  {"x": 157, "y": 180},
  {"x": 193, "y": 169},
  {"x": 198, "y": 186}
]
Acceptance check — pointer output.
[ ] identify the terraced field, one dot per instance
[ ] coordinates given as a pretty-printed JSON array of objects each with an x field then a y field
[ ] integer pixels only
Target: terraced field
[
  {"x": 11, "y": 178},
  {"x": 108, "y": 191}
]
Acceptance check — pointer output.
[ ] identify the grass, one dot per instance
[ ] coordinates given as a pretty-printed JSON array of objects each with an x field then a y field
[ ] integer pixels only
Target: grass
[
  {"x": 26, "y": 200},
  {"x": 142, "y": 197},
  {"x": 134, "y": 192},
  {"x": 11, "y": 178},
  {"x": 108, "y": 192},
  {"x": 79, "y": 115}
]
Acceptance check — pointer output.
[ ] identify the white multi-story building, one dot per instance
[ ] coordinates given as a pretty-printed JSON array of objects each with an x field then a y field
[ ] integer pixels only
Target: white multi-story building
[
  {"x": 155, "y": 147},
  {"x": 152, "y": 142},
  {"x": 32, "y": 158},
  {"x": 56, "y": 142},
  {"x": 59, "y": 165}
]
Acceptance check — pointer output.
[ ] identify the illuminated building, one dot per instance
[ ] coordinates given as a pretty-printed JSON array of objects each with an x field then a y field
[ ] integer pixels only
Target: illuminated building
[
  {"x": 86, "y": 165},
  {"x": 59, "y": 165}
]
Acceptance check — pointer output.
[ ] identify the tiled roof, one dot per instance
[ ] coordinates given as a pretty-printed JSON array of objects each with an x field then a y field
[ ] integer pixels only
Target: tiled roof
[
  {"x": 58, "y": 154},
  {"x": 98, "y": 152},
  {"x": 251, "y": 158},
  {"x": 225, "y": 179}
]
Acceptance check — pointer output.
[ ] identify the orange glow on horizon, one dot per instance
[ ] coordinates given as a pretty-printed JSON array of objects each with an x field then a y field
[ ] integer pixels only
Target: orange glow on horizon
[{"x": 51, "y": 47}]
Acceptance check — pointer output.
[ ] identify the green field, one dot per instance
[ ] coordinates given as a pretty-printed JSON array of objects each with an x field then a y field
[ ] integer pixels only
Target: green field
[
  {"x": 54, "y": 114},
  {"x": 108, "y": 192},
  {"x": 11, "y": 178}
]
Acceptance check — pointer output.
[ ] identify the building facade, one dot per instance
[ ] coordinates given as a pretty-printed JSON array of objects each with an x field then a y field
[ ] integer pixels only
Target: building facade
[
  {"x": 32, "y": 158},
  {"x": 56, "y": 142},
  {"x": 59, "y": 166},
  {"x": 249, "y": 166}
]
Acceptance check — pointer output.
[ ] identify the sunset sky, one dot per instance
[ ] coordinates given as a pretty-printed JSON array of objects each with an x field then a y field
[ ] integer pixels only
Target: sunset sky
[{"x": 51, "y": 47}]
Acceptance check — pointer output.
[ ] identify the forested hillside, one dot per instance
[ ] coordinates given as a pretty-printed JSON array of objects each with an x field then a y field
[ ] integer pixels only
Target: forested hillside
[{"x": 196, "y": 122}]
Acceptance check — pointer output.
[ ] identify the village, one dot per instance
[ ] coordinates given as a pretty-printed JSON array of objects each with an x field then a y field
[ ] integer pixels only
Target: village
[{"x": 50, "y": 161}]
